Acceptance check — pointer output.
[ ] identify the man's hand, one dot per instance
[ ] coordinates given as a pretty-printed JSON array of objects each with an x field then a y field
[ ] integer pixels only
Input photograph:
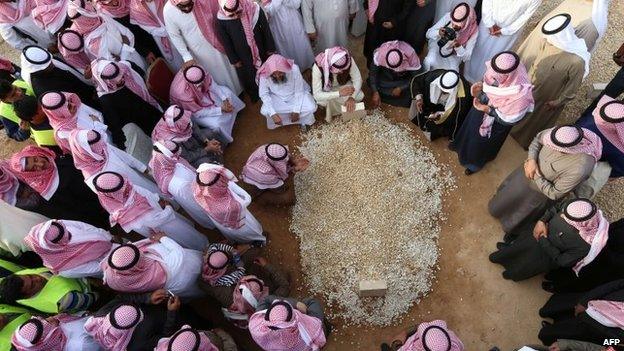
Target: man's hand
[
  {"x": 312, "y": 37},
  {"x": 162, "y": 202},
  {"x": 376, "y": 99},
  {"x": 24, "y": 125},
  {"x": 277, "y": 119},
  {"x": 530, "y": 169},
  {"x": 476, "y": 88},
  {"x": 540, "y": 229},
  {"x": 578, "y": 309},
  {"x": 346, "y": 90},
  {"x": 551, "y": 105},
  {"x": 434, "y": 116},
  {"x": 350, "y": 104},
  {"x": 387, "y": 25},
  {"x": 157, "y": 235},
  {"x": 173, "y": 304},
  {"x": 454, "y": 44},
  {"x": 87, "y": 72},
  {"x": 238, "y": 64},
  {"x": 495, "y": 30},
  {"x": 261, "y": 261},
  {"x": 419, "y": 104},
  {"x": 479, "y": 106},
  {"x": 189, "y": 63},
  {"x": 421, "y": 3},
  {"x": 396, "y": 92},
  {"x": 301, "y": 307},
  {"x": 300, "y": 164},
  {"x": 125, "y": 40},
  {"x": 618, "y": 56},
  {"x": 150, "y": 58},
  {"x": 214, "y": 146},
  {"x": 294, "y": 117},
  {"x": 441, "y": 32},
  {"x": 159, "y": 296},
  {"x": 226, "y": 106},
  {"x": 554, "y": 347}
]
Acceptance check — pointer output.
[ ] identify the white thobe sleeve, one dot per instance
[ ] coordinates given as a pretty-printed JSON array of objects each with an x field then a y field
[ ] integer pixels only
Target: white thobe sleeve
[
  {"x": 294, "y": 4},
  {"x": 172, "y": 246},
  {"x": 10, "y": 35},
  {"x": 521, "y": 20},
  {"x": 175, "y": 35},
  {"x": 89, "y": 269},
  {"x": 464, "y": 52},
  {"x": 317, "y": 87},
  {"x": 216, "y": 110},
  {"x": 356, "y": 79},
  {"x": 487, "y": 17},
  {"x": 354, "y": 6},
  {"x": 307, "y": 10},
  {"x": 152, "y": 198},
  {"x": 129, "y": 159},
  {"x": 265, "y": 95},
  {"x": 240, "y": 193},
  {"x": 433, "y": 33},
  {"x": 300, "y": 90}
]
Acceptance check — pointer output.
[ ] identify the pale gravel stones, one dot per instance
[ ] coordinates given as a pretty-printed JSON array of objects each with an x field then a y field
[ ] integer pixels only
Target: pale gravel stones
[{"x": 369, "y": 207}]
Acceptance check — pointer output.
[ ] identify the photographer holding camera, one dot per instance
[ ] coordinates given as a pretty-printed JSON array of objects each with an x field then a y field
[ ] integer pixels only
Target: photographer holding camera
[{"x": 452, "y": 39}]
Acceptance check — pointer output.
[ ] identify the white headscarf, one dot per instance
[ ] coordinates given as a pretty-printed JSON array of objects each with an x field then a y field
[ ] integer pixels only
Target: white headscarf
[
  {"x": 35, "y": 58},
  {"x": 440, "y": 85},
  {"x": 566, "y": 39}
]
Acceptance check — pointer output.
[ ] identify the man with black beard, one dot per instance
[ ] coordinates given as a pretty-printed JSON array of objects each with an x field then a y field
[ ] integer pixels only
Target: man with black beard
[{"x": 286, "y": 97}]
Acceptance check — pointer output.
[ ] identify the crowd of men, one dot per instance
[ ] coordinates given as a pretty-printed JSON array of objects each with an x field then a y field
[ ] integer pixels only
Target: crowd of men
[{"x": 132, "y": 104}]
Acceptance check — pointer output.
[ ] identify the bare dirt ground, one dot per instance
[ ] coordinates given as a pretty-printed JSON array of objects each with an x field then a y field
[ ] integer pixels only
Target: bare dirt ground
[{"x": 469, "y": 292}]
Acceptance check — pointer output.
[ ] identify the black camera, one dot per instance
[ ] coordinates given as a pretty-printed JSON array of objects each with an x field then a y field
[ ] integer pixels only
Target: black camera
[
  {"x": 448, "y": 34},
  {"x": 483, "y": 98}
]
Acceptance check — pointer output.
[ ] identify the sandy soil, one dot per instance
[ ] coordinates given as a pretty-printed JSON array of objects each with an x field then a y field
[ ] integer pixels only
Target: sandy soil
[{"x": 469, "y": 293}]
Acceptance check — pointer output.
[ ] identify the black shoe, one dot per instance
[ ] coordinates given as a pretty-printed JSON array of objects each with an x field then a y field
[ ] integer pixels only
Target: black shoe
[
  {"x": 548, "y": 286},
  {"x": 385, "y": 347},
  {"x": 508, "y": 238},
  {"x": 492, "y": 257},
  {"x": 258, "y": 243},
  {"x": 494, "y": 349},
  {"x": 501, "y": 245},
  {"x": 468, "y": 172},
  {"x": 450, "y": 146},
  {"x": 545, "y": 324}
]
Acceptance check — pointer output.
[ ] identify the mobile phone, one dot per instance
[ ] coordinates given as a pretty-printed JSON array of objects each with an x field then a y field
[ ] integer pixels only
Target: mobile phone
[{"x": 169, "y": 294}]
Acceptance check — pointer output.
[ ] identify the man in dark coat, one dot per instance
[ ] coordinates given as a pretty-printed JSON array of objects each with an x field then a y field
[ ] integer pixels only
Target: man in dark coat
[
  {"x": 418, "y": 16},
  {"x": 384, "y": 24}
]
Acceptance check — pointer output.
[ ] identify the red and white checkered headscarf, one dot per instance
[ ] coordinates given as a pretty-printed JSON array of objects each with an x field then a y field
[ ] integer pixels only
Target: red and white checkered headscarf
[
  {"x": 609, "y": 118},
  {"x": 186, "y": 339},
  {"x": 333, "y": 60},
  {"x": 592, "y": 225},
  {"x": 465, "y": 16},
  {"x": 165, "y": 157},
  {"x": 215, "y": 197},
  {"x": 396, "y": 55},
  {"x": 89, "y": 150},
  {"x": 190, "y": 89},
  {"x": 55, "y": 105},
  {"x": 134, "y": 268},
  {"x": 205, "y": 12},
  {"x": 50, "y": 14},
  {"x": 247, "y": 12},
  {"x": 267, "y": 167},
  {"x": 46, "y": 181},
  {"x": 247, "y": 294},
  {"x": 13, "y": 12},
  {"x": 71, "y": 46},
  {"x": 433, "y": 336},
  {"x": 274, "y": 63},
  {"x": 85, "y": 18},
  {"x": 8, "y": 184},
  {"x": 118, "y": 196},
  {"x": 570, "y": 139},
  {"x": 121, "y": 9},
  {"x": 175, "y": 125},
  {"x": 279, "y": 332},
  {"x": 37, "y": 334},
  {"x": 63, "y": 245},
  {"x": 111, "y": 76},
  {"x": 113, "y": 332}
]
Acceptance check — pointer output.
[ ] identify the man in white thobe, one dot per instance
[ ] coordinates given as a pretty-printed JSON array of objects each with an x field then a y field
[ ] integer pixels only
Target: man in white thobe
[
  {"x": 286, "y": 97},
  {"x": 15, "y": 21},
  {"x": 288, "y": 31},
  {"x": 194, "y": 46},
  {"x": 327, "y": 21},
  {"x": 501, "y": 25}
]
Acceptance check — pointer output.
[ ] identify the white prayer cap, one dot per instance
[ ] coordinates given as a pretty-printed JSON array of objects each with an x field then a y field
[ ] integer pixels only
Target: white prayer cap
[
  {"x": 449, "y": 80},
  {"x": 36, "y": 55},
  {"x": 556, "y": 24}
]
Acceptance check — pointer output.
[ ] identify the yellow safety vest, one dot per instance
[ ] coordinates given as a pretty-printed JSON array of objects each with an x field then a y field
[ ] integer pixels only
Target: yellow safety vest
[
  {"x": 41, "y": 137},
  {"x": 10, "y": 266},
  {"x": 7, "y": 332},
  {"x": 48, "y": 298}
]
